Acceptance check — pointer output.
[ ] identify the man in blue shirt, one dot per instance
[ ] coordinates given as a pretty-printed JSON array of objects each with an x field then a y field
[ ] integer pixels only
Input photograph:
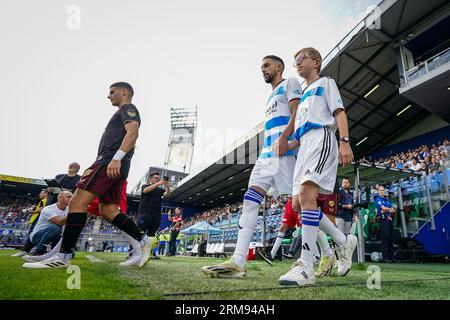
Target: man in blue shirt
[{"x": 385, "y": 212}]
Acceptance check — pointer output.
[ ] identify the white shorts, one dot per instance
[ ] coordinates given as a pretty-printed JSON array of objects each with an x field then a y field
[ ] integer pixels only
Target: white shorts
[
  {"x": 317, "y": 160},
  {"x": 273, "y": 172}
]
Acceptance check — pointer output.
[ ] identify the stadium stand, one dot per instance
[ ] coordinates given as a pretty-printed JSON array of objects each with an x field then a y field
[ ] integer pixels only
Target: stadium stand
[
  {"x": 429, "y": 159},
  {"x": 226, "y": 218},
  {"x": 424, "y": 158},
  {"x": 14, "y": 216}
]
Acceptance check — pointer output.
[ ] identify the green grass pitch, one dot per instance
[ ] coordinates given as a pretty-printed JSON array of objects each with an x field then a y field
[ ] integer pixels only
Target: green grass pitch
[{"x": 172, "y": 277}]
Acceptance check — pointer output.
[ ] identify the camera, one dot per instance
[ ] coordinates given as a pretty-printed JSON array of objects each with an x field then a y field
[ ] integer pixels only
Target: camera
[{"x": 166, "y": 178}]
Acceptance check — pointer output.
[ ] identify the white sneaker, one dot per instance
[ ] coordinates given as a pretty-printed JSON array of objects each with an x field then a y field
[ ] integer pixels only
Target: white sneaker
[
  {"x": 298, "y": 275},
  {"x": 42, "y": 257},
  {"x": 226, "y": 269},
  {"x": 316, "y": 260},
  {"x": 59, "y": 260},
  {"x": 345, "y": 254},
  {"x": 129, "y": 255},
  {"x": 135, "y": 259},
  {"x": 146, "y": 250},
  {"x": 31, "y": 258},
  {"x": 19, "y": 254}
]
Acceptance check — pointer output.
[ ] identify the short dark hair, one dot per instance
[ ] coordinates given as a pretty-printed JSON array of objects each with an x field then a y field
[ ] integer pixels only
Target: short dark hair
[
  {"x": 154, "y": 174},
  {"x": 346, "y": 178},
  {"x": 124, "y": 85},
  {"x": 277, "y": 59},
  {"x": 75, "y": 163}
]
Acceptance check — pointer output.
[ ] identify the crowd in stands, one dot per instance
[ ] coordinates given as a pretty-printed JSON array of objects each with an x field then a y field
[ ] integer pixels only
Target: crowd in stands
[
  {"x": 14, "y": 212},
  {"x": 12, "y": 239},
  {"x": 105, "y": 226},
  {"x": 213, "y": 215},
  {"x": 274, "y": 205},
  {"x": 219, "y": 214},
  {"x": 421, "y": 159}
]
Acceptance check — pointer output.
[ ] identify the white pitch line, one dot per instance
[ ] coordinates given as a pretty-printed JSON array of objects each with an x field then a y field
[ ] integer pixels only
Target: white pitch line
[{"x": 94, "y": 259}]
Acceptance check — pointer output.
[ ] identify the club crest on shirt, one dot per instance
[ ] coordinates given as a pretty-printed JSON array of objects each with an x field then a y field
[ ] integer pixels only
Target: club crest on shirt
[
  {"x": 87, "y": 172},
  {"x": 85, "y": 175},
  {"x": 131, "y": 113}
]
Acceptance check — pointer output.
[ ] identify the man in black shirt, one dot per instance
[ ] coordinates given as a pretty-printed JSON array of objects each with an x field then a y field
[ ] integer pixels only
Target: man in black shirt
[
  {"x": 69, "y": 181},
  {"x": 66, "y": 181},
  {"x": 150, "y": 206},
  {"x": 105, "y": 179}
]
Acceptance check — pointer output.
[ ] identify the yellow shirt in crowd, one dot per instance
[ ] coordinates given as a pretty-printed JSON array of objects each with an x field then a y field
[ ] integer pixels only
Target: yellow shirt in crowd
[{"x": 36, "y": 213}]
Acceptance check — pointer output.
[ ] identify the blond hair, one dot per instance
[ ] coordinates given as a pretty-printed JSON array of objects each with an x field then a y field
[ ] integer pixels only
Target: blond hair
[{"x": 313, "y": 54}]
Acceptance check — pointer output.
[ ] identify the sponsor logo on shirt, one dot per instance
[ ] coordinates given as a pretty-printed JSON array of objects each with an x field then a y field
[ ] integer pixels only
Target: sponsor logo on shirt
[{"x": 272, "y": 108}]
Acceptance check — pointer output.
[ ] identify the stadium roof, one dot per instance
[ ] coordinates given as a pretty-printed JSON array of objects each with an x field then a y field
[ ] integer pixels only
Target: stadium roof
[
  {"x": 21, "y": 185},
  {"x": 364, "y": 65},
  {"x": 365, "y": 69}
]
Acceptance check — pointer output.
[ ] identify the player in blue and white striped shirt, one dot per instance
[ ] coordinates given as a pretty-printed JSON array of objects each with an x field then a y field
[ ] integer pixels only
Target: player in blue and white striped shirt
[{"x": 274, "y": 167}]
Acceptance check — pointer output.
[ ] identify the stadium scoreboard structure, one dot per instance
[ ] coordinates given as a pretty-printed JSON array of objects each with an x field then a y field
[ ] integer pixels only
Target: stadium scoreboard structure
[{"x": 183, "y": 126}]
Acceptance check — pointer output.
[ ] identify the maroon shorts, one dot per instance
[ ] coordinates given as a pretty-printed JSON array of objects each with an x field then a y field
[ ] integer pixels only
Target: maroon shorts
[{"x": 95, "y": 180}]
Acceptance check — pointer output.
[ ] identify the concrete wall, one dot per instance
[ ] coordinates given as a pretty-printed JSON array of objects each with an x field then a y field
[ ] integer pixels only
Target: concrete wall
[{"x": 427, "y": 124}]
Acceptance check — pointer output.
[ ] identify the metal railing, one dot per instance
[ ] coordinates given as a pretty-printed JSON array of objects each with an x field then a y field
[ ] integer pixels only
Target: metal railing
[
  {"x": 427, "y": 66},
  {"x": 437, "y": 196}
]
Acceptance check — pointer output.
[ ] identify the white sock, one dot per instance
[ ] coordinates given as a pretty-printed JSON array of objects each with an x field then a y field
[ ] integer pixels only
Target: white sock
[
  {"x": 64, "y": 256},
  {"x": 310, "y": 226},
  {"x": 325, "y": 249},
  {"x": 54, "y": 251},
  {"x": 277, "y": 244},
  {"x": 145, "y": 239},
  {"x": 136, "y": 245},
  {"x": 247, "y": 224},
  {"x": 315, "y": 250},
  {"x": 150, "y": 239},
  {"x": 330, "y": 229}
]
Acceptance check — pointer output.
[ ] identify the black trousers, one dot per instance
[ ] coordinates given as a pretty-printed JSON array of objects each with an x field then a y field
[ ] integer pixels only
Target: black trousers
[
  {"x": 149, "y": 223},
  {"x": 173, "y": 242},
  {"x": 28, "y": 245},
  {"x": 387, "y": 239}
]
